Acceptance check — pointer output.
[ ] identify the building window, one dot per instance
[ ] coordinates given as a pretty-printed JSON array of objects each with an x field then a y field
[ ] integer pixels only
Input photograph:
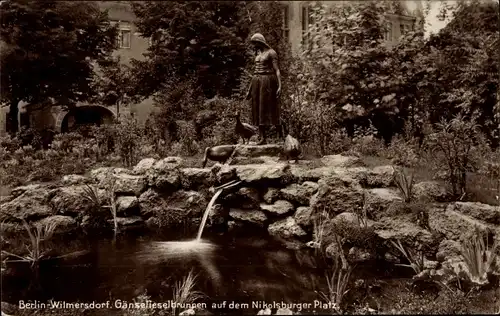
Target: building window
[
  {"x": 124, "y": 38},
  {"x": 286, "y": 22},
  {"x": 306, "y": 21},
  {"x": 405, "y": 28},
  {"x": 388, "y": 31}
]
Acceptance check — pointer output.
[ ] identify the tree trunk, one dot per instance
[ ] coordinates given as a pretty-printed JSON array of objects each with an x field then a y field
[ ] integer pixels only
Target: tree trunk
[{"x": 13, "y": 118}]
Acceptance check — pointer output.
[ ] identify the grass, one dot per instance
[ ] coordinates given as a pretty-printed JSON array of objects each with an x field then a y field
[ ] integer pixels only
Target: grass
[
  {"x": 37, "y": 236},
  {"x": 91, "y": 194},
  {"x": 338, "y": 285},
  {"x": 404, "y": 183},
  {"x": 184, "y": 291},
  {"x": 320, "y": 229},
  {"x": 479, "y": 260},
  {"x": 416, "y": 261}
]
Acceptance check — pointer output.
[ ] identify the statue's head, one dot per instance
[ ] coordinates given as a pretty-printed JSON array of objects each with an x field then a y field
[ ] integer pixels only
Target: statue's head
[{"x": 259, "y": 41}]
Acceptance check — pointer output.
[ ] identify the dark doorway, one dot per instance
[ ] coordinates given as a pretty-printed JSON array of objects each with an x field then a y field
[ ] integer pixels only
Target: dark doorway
[{"x": 84, "y": 116}]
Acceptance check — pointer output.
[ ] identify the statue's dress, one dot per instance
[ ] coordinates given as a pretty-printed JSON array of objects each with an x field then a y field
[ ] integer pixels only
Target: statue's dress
[{"x": 264, "y": 85}]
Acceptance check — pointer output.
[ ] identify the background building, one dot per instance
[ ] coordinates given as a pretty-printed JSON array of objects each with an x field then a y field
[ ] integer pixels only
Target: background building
[
  {"x": 132, "y": 46},
  {"x": 296, "y": 20}
]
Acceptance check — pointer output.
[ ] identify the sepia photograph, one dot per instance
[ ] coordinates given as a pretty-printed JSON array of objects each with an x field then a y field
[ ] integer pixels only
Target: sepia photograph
[{"x": 183, "y": 158}]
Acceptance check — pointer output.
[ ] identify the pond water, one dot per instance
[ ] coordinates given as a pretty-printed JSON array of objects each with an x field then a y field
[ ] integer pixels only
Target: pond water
[{"x": 245, "y": 268}]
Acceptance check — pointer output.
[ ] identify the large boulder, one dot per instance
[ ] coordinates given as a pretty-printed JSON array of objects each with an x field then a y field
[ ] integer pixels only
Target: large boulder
[
  {"x": 194, "y": 178},
  {"x": 127, "y": 205},
  {"x": 272, "y": 195},
  {"x": 378, "y": 177},
  {"x": 286, "y": 229},
  {"x": 280, "y": 207},
  {"x": 104, "y": 177},
  {"x": 274, "y": 173},
  {"x": 455, "y": 225},
  {"x": 303, "y": 216},
  {"x": 223, "y": 173},
  {"x": 352, "y": 219},
  {"x": 340, "y": 161},
  {"x": 448, "y": 249},
  {"x": 174, "y": 208},
  {"x": 408, "y": 233},
  {"x": 128, "y": 223},
  {"x": 168, "y": 163},
  {"x": 300, "y": 193},
  {"x": 31, "y": 204},
  {"x": 144, "y": 165},
  {"x": 301, "y": 173},
  {"x": 430, "y": 191},
  {"x": 64, "y": 224},
  {"x": 379, "y": 200},
  {"x": 258, "y": 150},
  {"x": 253, "y": 217},
  {"x": 484, "y": 212},
  {"x": 336, "y": 194},
  {"x": 245, "y": 198},
  {"x": 130, "y": 184},
  {"x": 74, "y": 200}
]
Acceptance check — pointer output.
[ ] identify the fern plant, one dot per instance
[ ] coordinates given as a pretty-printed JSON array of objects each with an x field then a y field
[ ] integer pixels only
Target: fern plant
[
  {"x": 405, "y": 183},
  {"x": 416, "y": 260},
  {"x": 184, "y": 291},
  {"x": 36, "y": 236},
  {"x": 480, "y": 261},
  {"x": 338, "y": 284}
]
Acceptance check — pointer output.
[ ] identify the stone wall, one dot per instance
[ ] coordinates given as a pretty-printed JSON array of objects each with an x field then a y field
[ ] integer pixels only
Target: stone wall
[{"x": 279, "y": 197}]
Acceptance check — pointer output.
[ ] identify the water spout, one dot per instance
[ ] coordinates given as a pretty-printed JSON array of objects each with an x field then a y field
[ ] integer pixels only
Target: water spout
[
  {"x": 211, "y": 204},
  {"x": 205, "y": 215}
]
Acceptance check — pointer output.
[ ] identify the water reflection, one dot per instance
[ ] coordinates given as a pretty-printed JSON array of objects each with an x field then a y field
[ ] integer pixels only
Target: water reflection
[
  {"x": 239, "y": 269},
  {"x": 189, "y": 253}
]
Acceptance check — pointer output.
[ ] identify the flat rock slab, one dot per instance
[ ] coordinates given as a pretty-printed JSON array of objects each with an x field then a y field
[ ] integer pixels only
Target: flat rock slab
[
  {"x": 254, "y": 217},
  {"x": 286, "y": 228},
  {"x": 32, "y": 204},
  {"x": 378, "y": 201},
  {"x": 341, "y": 161},
  {"x": 300, "y": 193},
  {"x": 258, "y": 150},
  {"x": 64, "y": 224},
  {"x": 457, "y": 226},
  {"x": 488, "y": 213},
  {"x": 279, "y": 207},
  {"x": 255, "y": 173},
  {"x": 130, "y": 184}
]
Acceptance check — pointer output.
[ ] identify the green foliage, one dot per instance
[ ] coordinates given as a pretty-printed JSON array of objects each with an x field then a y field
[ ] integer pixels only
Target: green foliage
[
  {"x": 405, "y": 184},
  {"x": 128, "y": 135},
  {"x": 416, "y": 260},
  {"x": 338, "y": 285},
  {"x": 113, "y": 83},
  {"x": 479, "y": 259},
  {"x": 204, "y": 39},
  {"x": 457, "y": 146},
  {"x": 36, "y": 250},
  {"x": 184, "y": 291},
  {"x": 57, "y": 43}
]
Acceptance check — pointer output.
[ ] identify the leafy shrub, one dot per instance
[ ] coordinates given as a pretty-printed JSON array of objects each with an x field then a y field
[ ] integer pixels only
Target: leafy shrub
[
  {"x": 457, "y": 147},
  {"x": 481, "y": 261},
  {"x": 405, "y": 184},
  {"x": 128, "y": 135}
]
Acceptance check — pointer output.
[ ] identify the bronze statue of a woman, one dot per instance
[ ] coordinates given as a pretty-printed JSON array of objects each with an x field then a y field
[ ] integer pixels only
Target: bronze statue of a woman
[{"x": 265, "y": 87}]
